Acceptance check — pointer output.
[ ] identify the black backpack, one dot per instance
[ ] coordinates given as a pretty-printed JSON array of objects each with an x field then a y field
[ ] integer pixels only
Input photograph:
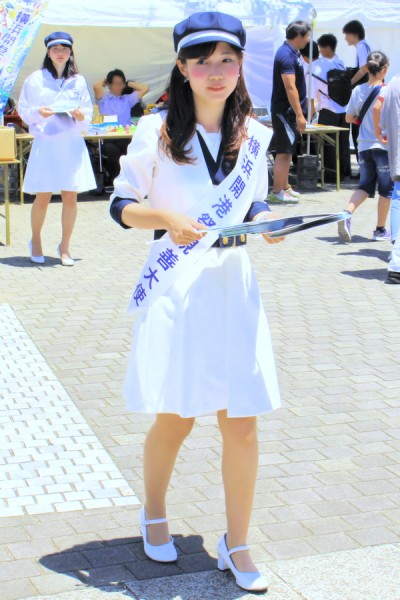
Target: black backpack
[{"x": 339, "y": 85}]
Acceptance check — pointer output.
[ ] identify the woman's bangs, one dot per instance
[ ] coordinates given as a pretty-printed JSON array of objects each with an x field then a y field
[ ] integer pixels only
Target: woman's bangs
[{"x": 203, "y": 51}]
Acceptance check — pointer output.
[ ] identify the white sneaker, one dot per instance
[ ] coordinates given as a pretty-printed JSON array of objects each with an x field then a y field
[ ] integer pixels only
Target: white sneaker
[
  {"x": 282, "y": 197},
  {"x": 163, "y": 553},
  {"x": 252, "y": 581},
  {"x": 289, "y": 190},
  {"x": 344, "y": 229}
]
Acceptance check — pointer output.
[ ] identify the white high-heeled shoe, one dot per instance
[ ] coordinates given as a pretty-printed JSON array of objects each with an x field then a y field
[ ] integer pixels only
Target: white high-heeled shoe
[
  {"x": 35, "y": 259},
  {"x": 163, "y": 553},
  {"x": 254, "y": 582},
  {"x": 66, "y": 262}
]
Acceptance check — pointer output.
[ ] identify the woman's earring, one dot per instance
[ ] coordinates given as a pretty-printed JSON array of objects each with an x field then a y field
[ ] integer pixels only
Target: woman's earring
[{"x": 185, "y": 80}]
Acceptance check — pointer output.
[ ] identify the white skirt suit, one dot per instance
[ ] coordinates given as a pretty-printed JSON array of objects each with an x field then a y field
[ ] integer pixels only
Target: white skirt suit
[
  {"x": 204, "y": 345},
  {"x": 59, "y": 159}
]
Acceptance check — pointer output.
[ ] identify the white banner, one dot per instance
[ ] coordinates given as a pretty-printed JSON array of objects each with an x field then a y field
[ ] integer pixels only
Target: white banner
[{"x": 19, "y": 23}]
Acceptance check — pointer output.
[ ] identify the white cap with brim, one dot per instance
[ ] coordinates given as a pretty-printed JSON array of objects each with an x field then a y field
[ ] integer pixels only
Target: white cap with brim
[
  {"x": 212, "y": 35},
  {"x": 61, "y": 42}
]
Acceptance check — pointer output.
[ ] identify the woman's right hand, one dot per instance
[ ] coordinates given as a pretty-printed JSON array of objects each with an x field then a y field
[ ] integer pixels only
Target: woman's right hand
[
  {"x": 45, "y": 112},
  {"x": 184, "y": 230}
]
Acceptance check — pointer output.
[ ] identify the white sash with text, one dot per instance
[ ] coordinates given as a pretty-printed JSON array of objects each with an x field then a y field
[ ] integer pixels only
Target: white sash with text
[{"x": 226, "y": 205}]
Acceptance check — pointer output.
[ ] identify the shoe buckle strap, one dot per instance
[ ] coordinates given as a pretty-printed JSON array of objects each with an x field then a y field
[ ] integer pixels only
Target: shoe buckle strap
[
  {"x": 155, "y": 521},
  {"x": 237, "y": 549}
]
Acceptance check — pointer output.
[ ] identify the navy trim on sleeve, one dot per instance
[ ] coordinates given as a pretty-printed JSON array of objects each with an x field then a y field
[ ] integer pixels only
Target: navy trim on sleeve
[
  {"x": 255, "y": 209},
  {"x": 117, "y": 205}
]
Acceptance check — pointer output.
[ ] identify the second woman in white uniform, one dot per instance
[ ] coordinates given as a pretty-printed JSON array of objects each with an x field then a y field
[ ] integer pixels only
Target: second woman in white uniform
[
  {"x": 56, "y": 105},
  {"x": 202, "y": 343}
]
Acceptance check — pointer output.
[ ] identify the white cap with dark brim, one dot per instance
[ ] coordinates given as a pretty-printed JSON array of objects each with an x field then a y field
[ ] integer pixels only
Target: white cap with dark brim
[{"x": 212, "y": 35}]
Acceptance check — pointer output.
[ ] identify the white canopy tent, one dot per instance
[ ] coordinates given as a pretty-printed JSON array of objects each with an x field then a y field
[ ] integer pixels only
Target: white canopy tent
[{"x": 136, "y": 36}]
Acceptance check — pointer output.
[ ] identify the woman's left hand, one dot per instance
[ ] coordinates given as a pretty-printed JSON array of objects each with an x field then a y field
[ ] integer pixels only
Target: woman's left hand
[
  {"x": 271, "y": 240},
  {"x": 269, "y": 216},
  {"x": 78, "y": 114}
]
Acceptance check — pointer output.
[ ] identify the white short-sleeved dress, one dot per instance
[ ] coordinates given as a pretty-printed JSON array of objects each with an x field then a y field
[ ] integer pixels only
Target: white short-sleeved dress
[
  {"x": 59, "y": 159},
  {"x": 204, "y": 345}
]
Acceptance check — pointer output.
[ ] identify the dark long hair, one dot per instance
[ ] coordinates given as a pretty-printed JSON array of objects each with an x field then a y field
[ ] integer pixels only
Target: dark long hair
[
  {"x": 180, "y": 123},
  {"x": 70, "y": 69}
]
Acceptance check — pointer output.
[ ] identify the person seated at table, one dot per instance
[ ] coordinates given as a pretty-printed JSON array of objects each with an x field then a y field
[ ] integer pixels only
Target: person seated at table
[
  {"x": 114, "y": 102},
  {"x": 10, "y": 107},
  {"x": 11, "y": 117}
]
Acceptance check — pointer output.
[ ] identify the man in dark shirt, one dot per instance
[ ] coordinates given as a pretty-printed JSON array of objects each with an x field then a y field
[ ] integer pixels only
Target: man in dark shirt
[{"x": 288, "y": 107}]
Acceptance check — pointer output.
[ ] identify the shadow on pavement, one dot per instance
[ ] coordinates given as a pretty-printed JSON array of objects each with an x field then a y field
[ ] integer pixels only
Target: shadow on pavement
[
  {"x": 383, "y": 255},
  {"x": 379, "y": 274},
  {"x": 213, "y": 585},
  {"x": 56, "y": 198},
  {"x": 25, "y": 262},
  {"x": 110, "y": 563},
  {"x": 355, "y": 239}
]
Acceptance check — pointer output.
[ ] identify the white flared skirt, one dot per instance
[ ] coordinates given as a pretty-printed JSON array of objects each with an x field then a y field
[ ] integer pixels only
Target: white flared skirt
[
  {"x": 205, "y": 345},
  {"x": 59, "y": 162}
]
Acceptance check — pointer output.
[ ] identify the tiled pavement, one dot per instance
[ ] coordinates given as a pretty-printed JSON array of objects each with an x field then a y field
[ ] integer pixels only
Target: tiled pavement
[
  {"x": 50, "y": 459},
  {"x": 329, "y": 463}
]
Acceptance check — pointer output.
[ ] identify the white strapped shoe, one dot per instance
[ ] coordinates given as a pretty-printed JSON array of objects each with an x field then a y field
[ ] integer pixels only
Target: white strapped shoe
[
  {"x": 163, "y": 553},
  {"x": 254, "y": 582}
]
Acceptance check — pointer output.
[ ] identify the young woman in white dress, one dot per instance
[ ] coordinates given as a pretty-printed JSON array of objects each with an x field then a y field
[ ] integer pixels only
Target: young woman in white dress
[
  {"x": 204, "y": 345},
  {"x": 56, "y": 105}
]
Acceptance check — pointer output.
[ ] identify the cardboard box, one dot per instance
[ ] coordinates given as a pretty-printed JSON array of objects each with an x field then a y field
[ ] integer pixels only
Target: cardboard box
[{"x": 7, "y": 143}]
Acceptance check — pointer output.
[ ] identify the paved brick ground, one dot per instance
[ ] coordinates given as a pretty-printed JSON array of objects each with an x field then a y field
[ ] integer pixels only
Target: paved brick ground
[
  {"x": 330, "y": 461},
  {"x": 50, "y": 459}
]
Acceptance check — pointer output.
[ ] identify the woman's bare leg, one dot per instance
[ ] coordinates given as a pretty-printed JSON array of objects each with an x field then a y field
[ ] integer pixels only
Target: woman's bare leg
[
  {"x": 161, "y": 448},
  {"x": 38, "y": 215},
  {"x": 68, "y": 218},
  {"x": 239, "y": 472}
]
